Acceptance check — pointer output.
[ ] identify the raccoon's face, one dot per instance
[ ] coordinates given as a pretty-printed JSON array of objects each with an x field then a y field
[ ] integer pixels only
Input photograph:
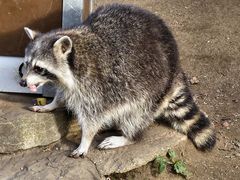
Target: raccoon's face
[{"x": 46, "y": 60}]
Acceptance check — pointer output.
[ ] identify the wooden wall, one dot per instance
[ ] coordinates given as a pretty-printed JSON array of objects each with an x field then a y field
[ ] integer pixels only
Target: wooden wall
[{"x": 42, "y": 15}]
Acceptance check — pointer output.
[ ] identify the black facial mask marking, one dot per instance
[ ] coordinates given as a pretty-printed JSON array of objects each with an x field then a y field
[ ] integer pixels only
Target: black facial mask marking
[{"x": 44, "y": 72}]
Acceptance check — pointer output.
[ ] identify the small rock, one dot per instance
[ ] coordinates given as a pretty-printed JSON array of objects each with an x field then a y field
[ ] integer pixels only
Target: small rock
[
  {"x": 237, "y": 154},
  {"x": 236, "y": 143},
  {"x": 194, "y": 80},
  {"x": 24, "y": 168},
  {"x": 226, "y": 125},
  {"x": 228, "y": 156},
  {"x": 235, "y": 100}
]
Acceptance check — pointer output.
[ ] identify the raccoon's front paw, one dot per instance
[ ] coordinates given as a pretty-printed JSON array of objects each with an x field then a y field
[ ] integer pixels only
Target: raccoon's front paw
[
  {"x": 77, "y": 153},
  {"x": 39, "y": 109}
]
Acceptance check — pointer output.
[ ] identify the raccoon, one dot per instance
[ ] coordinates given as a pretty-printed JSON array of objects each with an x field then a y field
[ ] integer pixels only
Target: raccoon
[{"x": 120, "y": 68}]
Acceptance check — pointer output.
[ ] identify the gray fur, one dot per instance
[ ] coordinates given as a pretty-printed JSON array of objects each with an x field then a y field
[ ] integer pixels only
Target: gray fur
[{"x": 117, "y": 69}]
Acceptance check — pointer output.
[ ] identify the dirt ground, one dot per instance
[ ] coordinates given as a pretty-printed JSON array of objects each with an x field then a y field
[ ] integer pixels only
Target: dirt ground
[{"x": 208, "y": 35}]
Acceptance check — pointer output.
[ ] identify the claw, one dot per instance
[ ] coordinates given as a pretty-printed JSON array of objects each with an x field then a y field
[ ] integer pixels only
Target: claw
[
  {"x": 76, "y": 154},
  {"x": 38, "y": 109}
]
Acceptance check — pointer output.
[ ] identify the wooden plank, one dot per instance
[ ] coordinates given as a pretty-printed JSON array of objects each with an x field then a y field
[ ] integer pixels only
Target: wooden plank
[{"x": 43, "y": 16}]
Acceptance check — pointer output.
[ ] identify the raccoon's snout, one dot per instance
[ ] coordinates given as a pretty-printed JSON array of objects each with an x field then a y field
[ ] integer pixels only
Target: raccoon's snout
[{"x": 23, "y": 83}]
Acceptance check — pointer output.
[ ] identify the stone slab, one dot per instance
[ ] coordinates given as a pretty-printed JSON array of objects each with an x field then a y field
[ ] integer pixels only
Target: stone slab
[
  {"x": 23, "y": 129},
  {"x": 156, "y": 141}
]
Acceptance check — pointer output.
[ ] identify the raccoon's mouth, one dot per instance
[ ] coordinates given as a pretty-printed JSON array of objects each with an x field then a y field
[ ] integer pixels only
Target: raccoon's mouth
[{"x": 33, "y": 87}]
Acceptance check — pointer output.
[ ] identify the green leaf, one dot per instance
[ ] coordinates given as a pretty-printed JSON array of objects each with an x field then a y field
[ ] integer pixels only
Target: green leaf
[
  {"x": 180, "y": 168},
  {"x": 161, "y": 167},
  {"x": 172, "y": 154},
  {"x": 160, "y": 163}
]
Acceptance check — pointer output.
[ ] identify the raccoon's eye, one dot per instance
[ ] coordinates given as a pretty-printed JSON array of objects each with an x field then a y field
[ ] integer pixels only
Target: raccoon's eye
[{"x": 38, "y": 69}]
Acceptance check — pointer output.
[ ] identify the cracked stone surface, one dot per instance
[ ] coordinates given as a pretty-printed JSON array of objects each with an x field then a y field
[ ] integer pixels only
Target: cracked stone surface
[{"x": 46, "y": 163}]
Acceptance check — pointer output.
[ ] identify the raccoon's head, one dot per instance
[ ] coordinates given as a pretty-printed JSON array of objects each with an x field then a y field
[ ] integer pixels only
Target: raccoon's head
[{"x": 46, "y": 60}]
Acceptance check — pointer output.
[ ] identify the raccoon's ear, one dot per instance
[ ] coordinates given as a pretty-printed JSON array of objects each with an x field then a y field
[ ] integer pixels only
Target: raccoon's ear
[
  {"x": 30, "y": 33},
  {"x": 63, "y": 45}
]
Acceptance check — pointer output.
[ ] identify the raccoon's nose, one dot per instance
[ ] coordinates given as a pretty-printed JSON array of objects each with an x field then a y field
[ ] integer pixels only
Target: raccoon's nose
[{"x": 23, "y": 83}]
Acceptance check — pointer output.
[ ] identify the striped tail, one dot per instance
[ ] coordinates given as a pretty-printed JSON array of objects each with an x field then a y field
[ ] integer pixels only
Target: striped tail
[{"x": 179, "y": 109}]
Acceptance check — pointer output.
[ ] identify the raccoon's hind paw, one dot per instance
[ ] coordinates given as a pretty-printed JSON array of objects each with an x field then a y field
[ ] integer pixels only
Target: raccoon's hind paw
[
  {"x": 114, "y": 142},
  {"x": 39, "y": 109},
  {"x": 77, "y": 153}
]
